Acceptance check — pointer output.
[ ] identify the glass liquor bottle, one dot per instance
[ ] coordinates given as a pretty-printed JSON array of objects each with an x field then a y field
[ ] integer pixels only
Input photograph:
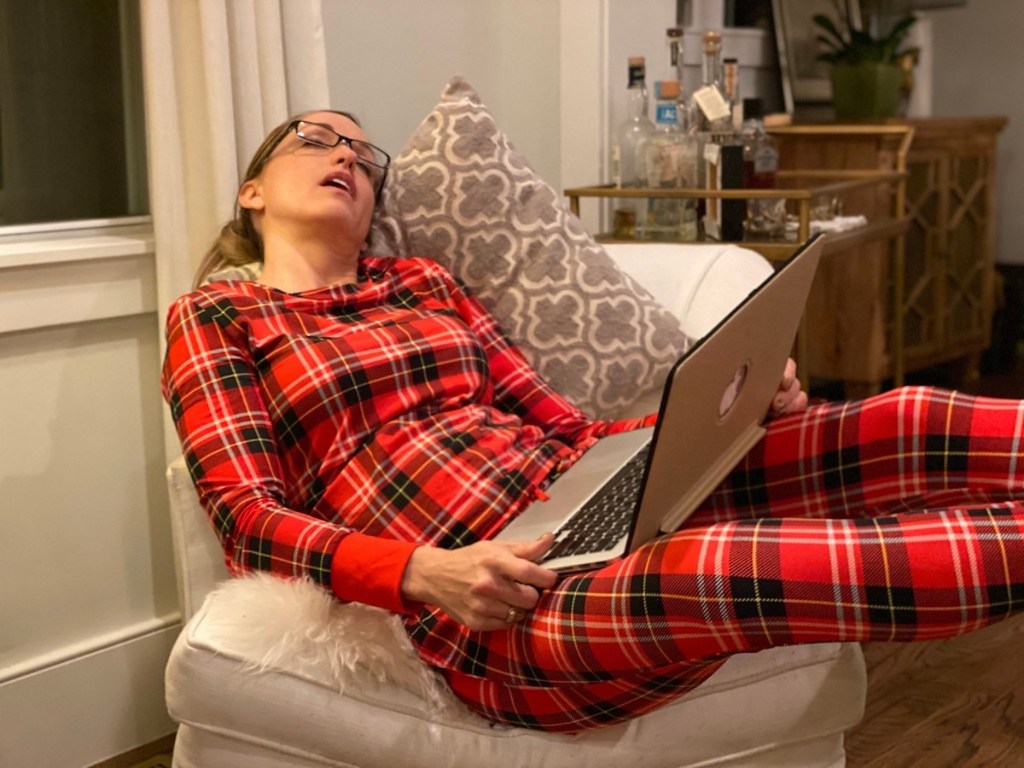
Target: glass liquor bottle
[
  {"x": 715, "y": 124},
  {"x": 731, "y": 89},
  {"x": 669, "y": 162},
  {"x": 689, "y": 120},
  {"x": 766, "y": 217},
  {"x": 715, "y": 111},
  {"x": 630, "y": 135}
]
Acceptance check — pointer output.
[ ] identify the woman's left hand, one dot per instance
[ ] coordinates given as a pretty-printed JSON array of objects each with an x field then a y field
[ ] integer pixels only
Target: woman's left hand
[
  {"x": 485, "y": 586},
  {"x": 790, "y": 398}
]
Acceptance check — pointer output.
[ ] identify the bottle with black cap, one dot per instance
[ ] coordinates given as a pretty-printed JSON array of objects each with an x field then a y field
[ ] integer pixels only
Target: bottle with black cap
[{"x": 626, "y": 168}]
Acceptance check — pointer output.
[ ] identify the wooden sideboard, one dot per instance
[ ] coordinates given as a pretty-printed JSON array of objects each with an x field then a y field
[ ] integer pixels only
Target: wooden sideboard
[{"x": 948, "y": 258}]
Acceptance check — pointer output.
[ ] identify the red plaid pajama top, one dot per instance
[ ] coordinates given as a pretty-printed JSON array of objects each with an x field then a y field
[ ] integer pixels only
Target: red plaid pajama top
[{"x": 331, "y": 432}]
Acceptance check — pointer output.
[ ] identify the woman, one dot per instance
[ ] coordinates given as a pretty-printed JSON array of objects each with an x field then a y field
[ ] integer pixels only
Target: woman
[{"x": 362, "y": 422}]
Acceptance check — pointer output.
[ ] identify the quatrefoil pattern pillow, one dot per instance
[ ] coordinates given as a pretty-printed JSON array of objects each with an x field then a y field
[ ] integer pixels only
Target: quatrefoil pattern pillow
[{"x": 461, "y": 194}]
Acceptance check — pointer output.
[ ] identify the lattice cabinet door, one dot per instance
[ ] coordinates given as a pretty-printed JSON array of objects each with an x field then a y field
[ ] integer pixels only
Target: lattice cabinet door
[
  {"x": 950, "y": 253},
  {"x": 967, "y": 300},
  {"x": 925, "y": 241}
]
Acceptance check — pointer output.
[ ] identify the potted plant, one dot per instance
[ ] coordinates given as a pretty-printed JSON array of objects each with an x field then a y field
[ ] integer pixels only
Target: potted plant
[{"x": 868, "y": 70}]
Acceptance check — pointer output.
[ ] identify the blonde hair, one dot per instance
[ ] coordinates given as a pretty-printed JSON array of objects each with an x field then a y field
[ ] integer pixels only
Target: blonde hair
[{"x": 239, "y": 242}]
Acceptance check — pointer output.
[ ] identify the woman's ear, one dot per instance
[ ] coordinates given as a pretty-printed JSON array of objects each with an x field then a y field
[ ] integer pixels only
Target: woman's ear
[{"x": 250, "y": 195}]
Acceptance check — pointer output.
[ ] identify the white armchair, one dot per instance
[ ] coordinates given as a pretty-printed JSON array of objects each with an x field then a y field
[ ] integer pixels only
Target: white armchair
[{"x": 248, "y": 695}]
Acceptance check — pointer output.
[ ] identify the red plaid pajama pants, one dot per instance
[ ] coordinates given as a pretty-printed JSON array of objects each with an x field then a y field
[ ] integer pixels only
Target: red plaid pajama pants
[{"x": 892, "y": 518}]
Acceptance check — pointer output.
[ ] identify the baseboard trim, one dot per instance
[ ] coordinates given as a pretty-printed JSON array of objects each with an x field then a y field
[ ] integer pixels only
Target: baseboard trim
[
  {"x": 162, "y": 746},
  {"x": 103, "y": 704}
]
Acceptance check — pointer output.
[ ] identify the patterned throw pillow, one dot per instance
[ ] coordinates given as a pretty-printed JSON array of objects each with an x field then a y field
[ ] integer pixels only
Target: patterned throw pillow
[{"x": 459, "y": 193}]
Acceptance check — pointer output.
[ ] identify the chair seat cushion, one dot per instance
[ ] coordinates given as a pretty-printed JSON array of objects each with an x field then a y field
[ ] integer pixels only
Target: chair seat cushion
[{"x": 281, "y": 702}]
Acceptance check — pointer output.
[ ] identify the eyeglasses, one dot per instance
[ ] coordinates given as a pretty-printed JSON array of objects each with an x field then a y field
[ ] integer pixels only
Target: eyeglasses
[{"x": 372, "y": 160}]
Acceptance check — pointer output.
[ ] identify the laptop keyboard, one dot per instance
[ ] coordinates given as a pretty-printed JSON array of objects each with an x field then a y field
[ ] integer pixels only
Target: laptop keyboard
[{"x": 606, "y": 516}]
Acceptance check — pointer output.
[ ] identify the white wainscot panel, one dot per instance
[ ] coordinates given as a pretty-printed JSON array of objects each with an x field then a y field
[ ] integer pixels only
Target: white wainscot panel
[{"x": 86, "y": 546}]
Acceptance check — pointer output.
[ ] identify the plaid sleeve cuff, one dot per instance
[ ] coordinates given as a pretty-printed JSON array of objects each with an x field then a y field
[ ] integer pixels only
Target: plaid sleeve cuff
[
  {"x": 368, "y": 569},
  {"x": 603, "y": 428}
]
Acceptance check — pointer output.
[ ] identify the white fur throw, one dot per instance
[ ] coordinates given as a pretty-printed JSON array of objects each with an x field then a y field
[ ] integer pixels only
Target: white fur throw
[{"x": 296, "y": 627}]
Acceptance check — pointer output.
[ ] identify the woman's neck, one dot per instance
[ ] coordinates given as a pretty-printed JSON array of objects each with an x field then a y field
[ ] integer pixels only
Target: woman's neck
[{"x": 305, "y": 266}]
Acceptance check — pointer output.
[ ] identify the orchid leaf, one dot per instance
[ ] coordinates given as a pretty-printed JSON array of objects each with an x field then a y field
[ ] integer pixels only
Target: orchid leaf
[
  {"x": 849, "y": 45},
  {"x": 829, "y": 26}
]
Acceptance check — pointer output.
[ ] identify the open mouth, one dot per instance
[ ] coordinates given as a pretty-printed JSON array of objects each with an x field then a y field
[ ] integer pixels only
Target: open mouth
[{"x": 340, "y": 182}]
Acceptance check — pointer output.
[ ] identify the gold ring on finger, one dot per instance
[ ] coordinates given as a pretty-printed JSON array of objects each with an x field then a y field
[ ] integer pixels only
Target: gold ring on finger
[{"x": 513, "y": 615}]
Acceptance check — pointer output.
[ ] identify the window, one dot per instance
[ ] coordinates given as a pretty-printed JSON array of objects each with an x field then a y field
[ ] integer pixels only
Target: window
[
  {"x": 749, "y": 13},
  {"x": 755, "y": 14},
  {"x": 72, "y": 135}
]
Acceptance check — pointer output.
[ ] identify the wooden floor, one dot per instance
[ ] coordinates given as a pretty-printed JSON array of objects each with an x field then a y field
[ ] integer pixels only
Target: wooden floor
[{"x": 958, "y": 702}]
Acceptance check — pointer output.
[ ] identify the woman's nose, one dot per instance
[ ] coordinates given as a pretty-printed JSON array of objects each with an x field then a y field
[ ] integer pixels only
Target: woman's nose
[{"x": 344, "y": 154}]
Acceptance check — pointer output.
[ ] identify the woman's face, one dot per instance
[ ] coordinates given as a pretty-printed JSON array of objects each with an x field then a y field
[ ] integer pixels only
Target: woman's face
[{"x": 304, "y": 186}]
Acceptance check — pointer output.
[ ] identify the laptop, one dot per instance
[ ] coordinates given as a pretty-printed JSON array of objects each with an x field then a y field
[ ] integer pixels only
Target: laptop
[{"x": 631, "y": 487}]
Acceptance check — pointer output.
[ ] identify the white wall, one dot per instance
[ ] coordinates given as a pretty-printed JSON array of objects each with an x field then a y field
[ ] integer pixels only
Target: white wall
[
  {"x": 388, "y": 62},
  {"x": 978, "y": 59}
]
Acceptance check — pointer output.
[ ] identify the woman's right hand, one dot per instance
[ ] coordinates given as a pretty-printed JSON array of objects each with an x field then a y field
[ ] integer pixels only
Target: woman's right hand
[{"x": 476, "y": 585}]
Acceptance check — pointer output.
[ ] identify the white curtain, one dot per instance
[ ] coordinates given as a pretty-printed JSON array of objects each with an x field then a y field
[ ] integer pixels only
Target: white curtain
[{"x": 219, "y": 75}]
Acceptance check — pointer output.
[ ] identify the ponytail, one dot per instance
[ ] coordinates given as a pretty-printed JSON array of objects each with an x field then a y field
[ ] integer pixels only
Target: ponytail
[{"x": 237, "y": 244}]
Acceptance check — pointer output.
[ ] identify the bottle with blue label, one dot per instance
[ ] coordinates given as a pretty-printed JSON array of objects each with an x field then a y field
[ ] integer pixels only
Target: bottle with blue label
[{"x": 669, "y": 157}]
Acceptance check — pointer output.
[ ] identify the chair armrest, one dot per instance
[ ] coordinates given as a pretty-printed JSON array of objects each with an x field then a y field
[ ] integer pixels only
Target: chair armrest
[
  {"x": 699, "y": 283},
  {"x": 198, "y": 557}
]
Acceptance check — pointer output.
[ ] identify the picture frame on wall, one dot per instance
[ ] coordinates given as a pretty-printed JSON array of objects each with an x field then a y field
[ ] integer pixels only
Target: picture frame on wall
[{"x": 805, "y": 80}]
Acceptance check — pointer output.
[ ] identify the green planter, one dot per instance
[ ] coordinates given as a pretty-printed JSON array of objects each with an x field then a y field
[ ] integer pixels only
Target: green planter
[{"x": 861, "y": 91}]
